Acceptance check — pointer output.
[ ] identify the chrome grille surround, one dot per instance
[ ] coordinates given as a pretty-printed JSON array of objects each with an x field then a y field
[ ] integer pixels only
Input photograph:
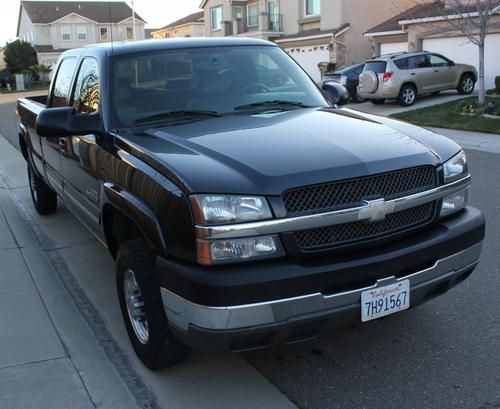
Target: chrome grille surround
[{"x": 352, "y": 192}]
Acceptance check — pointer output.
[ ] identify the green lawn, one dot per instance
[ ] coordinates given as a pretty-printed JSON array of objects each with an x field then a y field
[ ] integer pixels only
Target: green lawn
[{"x": 462, "y": 114}]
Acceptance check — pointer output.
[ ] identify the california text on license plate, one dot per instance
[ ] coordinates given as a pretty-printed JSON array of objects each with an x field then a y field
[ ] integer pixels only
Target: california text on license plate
[{"x": 382, "y": 301}]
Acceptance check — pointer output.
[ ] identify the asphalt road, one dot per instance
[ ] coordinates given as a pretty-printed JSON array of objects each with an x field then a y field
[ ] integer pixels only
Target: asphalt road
[{"x": 443, "y": 354}]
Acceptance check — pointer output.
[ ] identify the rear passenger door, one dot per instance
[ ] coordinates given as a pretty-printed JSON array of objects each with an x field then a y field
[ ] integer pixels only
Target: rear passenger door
[
  {"x": 81, "y": 153},
  {"x": 51, "y": 146},
  {"x": 421, "y": 73}
]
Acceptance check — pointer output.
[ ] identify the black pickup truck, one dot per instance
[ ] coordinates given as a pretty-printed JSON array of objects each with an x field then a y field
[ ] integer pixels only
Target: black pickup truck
[{"x": 243, "y": 213}]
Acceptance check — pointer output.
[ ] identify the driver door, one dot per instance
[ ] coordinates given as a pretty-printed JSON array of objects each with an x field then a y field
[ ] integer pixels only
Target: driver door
[{"x": 81, "y": 153}]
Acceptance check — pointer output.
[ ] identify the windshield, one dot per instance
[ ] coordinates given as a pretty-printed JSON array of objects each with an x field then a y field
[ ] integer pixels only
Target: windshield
[{"x": 215, "y": 80}]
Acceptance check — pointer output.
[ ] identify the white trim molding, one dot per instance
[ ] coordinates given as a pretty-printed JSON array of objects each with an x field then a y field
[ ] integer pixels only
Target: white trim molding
[{"x": 384, "y": 33}]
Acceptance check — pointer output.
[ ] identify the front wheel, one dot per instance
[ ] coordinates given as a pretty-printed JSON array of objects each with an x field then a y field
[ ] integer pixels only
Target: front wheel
[
  {"x": 142, "y": 308},
  {"x": 407, "y": 95},
  {"x": 357, "y": 98},
  {"x": 466, "y": 84},
  {"x": 44, "y": 198}
]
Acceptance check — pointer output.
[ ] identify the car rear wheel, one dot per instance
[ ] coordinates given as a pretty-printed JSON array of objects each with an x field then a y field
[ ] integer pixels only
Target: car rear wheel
[
  {"x": 466, "y": 84},
  {"x": 407, "y": 95},
  {"x": 377, "y": 101},
  {"x": 142, "y": 308},
  {"x": 44, "y": 198}
]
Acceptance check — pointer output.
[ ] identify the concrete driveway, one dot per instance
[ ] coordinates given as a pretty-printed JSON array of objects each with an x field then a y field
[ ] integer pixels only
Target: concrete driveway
[{"x": 392, "y": 107}]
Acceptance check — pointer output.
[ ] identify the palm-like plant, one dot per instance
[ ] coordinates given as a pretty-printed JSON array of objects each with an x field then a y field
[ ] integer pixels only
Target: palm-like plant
[{"x": 43, "y": 71}]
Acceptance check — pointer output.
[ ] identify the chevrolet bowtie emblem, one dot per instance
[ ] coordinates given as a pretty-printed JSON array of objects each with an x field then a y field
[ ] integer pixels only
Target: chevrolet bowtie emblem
[{"x": 376, "y": 210}]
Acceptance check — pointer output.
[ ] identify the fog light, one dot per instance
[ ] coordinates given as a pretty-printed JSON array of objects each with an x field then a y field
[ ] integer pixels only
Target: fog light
[
  {"x": 455, "y": 202},
  {"x": 238, "y": 250}
]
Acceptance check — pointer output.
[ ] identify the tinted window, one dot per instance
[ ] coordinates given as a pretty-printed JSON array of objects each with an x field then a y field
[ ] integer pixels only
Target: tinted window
[
  {"x": 402, "y": 64},
  {"x": 62, "y": 84},
  {"x": 418, "y": 61},
  {"x": 438, "y": 61},
  {"x": 376, "y": 66},
  {"x": 359, "y": 70},
  {"x": 217, "y": 79},
  {"x": 86, "y": 97}
]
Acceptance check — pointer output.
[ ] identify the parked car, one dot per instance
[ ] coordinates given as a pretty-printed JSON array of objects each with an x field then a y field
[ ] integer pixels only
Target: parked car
[
  {"x": 405, "y": 76},
  {"x": 349, "y": 77},
  {"x": 243, "y": 215}
]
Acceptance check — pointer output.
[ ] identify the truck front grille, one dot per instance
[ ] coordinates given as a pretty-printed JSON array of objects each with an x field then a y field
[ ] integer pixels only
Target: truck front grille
[
  {"x": 351, "y": 193},
  {"x": 350, "y": 233}
]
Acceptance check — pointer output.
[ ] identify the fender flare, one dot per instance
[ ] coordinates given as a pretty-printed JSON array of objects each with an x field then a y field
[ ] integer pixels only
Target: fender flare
[{"x": 137, "y": 211}]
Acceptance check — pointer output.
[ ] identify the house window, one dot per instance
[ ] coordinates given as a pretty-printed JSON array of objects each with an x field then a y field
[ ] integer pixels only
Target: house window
[
  {"x": 81, "y": 33},
  {"x": 216, "y": 19},
  {"x": 253, "y": 15},
  {"x": 237, "y": 12},
  {"x": 65, "y": 33},
  {"x": 103, "y": 33},
  {"x": 130, "y": 33},
  {"x": 313, "y": 7}
]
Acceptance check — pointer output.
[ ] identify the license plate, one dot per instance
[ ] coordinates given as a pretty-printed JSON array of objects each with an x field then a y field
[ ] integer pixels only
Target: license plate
[{"x": 382, "y": 301}]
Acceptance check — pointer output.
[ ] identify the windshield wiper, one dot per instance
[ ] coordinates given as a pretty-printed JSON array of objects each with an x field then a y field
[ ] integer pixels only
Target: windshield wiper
[
  {"x": 176, "y": 115},
  {"x": 277, "y": 103}
]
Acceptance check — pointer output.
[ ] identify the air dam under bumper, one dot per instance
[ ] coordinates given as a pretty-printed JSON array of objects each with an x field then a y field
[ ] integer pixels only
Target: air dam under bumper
[{"x": 288, "y": 320}]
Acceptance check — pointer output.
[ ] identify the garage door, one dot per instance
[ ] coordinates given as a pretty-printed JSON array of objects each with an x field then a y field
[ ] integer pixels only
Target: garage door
[
  {"x": 390, "y": 48},
  {"x": 461, "y": 50},
  {"x": 310, "y": 57}
]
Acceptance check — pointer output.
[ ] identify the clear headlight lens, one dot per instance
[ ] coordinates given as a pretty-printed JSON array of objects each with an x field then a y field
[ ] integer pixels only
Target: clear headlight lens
[
  {"x": 246, "y": 249},
  {"x": 455, "y": 202},
  {"x": 227, "y": 209},
  {"x": 456, "y": 167},
  {"x": 343, "y": 79}
]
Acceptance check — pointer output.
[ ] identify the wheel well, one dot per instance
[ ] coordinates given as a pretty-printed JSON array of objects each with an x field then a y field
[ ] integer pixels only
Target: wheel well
[
  {"x": 409, "y": 83},
  {"x": 469, "y": 73},
  {"x": 118, "y": 228},
  {"x": 23, "y": 147}
]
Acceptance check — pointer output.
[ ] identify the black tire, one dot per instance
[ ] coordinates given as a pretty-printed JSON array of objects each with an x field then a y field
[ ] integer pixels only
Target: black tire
[
  {"x": 436, "y": 93},
  {"x": 44, "y": 198},
  {"x": 407, "y": 95},
  {"x": 356, "y": 98},
  {"x": 160, "y": 349},
  {"x": 377, "y": 101},
  {"x": 466, "y": 84}
]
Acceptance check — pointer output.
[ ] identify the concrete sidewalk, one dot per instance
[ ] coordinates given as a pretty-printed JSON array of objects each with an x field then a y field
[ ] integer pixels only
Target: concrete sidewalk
[{"x": 62, "y": 340}]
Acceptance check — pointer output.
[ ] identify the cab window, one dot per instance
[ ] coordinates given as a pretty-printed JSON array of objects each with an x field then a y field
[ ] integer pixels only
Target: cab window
[
  {"x": 62, "y": 83},
  {"x": 438, "y": 61},
  {"x": 86, "y": 97}
]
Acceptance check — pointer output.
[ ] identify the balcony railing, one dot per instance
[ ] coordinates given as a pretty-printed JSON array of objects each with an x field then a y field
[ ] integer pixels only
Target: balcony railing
[{"x": 265, "y": 22}]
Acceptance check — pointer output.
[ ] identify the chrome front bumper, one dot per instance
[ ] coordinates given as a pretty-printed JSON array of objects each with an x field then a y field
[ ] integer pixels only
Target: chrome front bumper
[{"x": 182, "y": 313}]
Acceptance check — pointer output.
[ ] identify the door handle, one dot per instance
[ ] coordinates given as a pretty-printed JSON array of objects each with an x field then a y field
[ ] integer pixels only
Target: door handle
[
  {"x": 62, "y": 143},
  {"x": 436, "y": 70},
  {"x": 413, "y": 73}
]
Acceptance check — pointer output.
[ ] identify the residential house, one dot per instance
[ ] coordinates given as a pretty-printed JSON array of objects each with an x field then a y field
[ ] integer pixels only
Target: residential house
[
  {"x": 424, "y": 27},
  {"x": 189, "y": 26},
  {"x": 312, "y": 31},
  {"x": 55, "y": 26},
  {"x": 148, "y": 33},
  {"x": 3, "y": 65}
]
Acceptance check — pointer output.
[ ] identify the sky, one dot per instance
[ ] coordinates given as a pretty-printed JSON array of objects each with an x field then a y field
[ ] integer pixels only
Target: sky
[{"x": 157, "y": 13}]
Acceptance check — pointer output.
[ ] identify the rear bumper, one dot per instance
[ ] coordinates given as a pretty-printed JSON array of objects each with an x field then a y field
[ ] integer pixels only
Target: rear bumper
[
  {"x": 245, "y": 326},
  {"x": 382, "y": 92}
]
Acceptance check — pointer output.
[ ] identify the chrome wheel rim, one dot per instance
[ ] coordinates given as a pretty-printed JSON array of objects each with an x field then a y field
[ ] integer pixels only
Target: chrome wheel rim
[
  {"x": 467, "y": 85},
  {"x": 33, "y": 186},
  {"x": 408, "y": 96},
  {"x": 135, "y": 306}
]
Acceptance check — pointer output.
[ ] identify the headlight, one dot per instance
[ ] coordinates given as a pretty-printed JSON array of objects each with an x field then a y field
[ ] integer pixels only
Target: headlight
[
  {"x": 238, "y": 250},
  {"x": 343, "y": 79},
  {"x": 455, "y": 202},
  {"x": 456, "y": 167},
  {"x": 226, "y": 209}
]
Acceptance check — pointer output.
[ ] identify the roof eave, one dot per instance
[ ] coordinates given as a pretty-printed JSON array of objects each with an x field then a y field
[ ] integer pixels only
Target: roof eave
[{"x": 384, "y": 33}]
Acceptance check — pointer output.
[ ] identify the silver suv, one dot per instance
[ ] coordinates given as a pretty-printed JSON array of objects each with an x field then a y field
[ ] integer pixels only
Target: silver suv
[{"x": 404, "y": 76}]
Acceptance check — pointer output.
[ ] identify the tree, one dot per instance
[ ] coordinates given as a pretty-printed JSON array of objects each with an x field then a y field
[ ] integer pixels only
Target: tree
[
  {"x": 471, "y": 18},
  {"x": 19, "y": 56}
]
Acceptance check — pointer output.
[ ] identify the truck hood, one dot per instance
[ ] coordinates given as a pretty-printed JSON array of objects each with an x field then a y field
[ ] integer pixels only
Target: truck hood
[{"x": 272, "y": 152}]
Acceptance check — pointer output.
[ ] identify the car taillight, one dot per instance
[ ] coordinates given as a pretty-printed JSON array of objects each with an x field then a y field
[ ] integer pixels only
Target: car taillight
[{"x": 387, "y": 76}]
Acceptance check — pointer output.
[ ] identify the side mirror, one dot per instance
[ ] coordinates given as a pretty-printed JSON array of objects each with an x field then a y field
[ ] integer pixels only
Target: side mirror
[
  {"x": 64, "y": 122},
  {"x": 336, "y": 93},
  {"x": 451, "y": 63}
]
